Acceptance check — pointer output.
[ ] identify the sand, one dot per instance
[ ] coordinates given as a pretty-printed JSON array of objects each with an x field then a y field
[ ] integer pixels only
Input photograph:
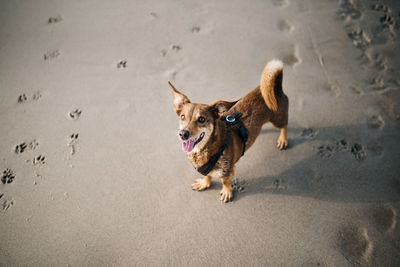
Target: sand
[{"x": 92, "y": 170}]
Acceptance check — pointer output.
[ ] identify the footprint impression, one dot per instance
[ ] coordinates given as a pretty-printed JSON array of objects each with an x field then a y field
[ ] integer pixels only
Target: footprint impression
[
  {"x": 54, "y": 19},
  {"x": 20, "y": 148},
  {"x": 309, "y": 133},
  {"x": 122, "y": 64},
  {"x": 8, "y": 176},
  {"x": 384, "y": 217},
  {"x": 52, "y": 54},
  {"x": 39, "y": 160},
  {"x": 355, "y": 244},
  {"x": 328, "y": 150},
  {"x": 6, "y": 202},
  {"x": 23, "y": 98},
  {"x": 174, "y": 47},
  {"x": 238, "y": 186},
  {"x": 73, "y": 139},
  {"x": 375, "y": 122},
  {"x": 280, "y": 3},
  {"x": 75, "y": 114},
  {"x": 284, "y": 25}
]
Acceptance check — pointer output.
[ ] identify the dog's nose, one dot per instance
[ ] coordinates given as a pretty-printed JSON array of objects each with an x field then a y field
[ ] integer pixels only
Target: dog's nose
[{"x": 184, "y": 134}]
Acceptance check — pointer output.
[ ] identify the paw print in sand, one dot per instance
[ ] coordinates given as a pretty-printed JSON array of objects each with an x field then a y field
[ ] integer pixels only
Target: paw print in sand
[
  {"x": 39, "y": 160},
  {"x": 75, "y": 114},
  {"x": 8, "y": 176}
]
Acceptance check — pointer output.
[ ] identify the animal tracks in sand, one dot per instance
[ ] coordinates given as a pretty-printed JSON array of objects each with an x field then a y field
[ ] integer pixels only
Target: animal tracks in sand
[
  {"x": 333, "y": 88},
  {"x": 350, "y": 10},
  {"x": 368, "y": 30},
  {"x": 278, "y": 184},
  {"x": 381, "y": 7},
  {"x": 384, "y": 217},
  {"x": 280, "y": 3},
  {"x": 173, "y": 47},
  {"x": 163, "y": 52},
  {"x": 73, "y": 139},
  {"x": 376, "y": 122},
  {"x": 20, "y": 148},
  {"x": 355, "y": 244},
  {"x": 290, "y": 56},
  {"x": 380, "y": 61},
  {"x": 358, "y": 151},
  {"x": 291, "y": 59},
  {"x": 176, "y": 48},
  {"x": 52, "y": 54},
  {"x": 195, "y": 29},
  {"x": 328, "y": 150},
  {"x": 6, "y": 202},
  {"x": 75, "y": 114},
  {"x": 364, "y": 241},
  {"x": 122, "y": 64},
  {"x": 33, "y": 144},
  {"x": 356, "y": 90},
  {"x": 378, "y": 82},
  {"x": 23, "y": 98},
  {"x": 284, "y": 25},
  {"x": 54, "y": 19},
  {"x": 8, "y": 176},
  {"x": 359, "y": 37},
  {"x": 309, "y": 133},
  {"x": 39, "y": 160},
  {"x": 388, "y": 21},
  {"x": 37, "y": 96},
  {"x": 239, "y": 186}
]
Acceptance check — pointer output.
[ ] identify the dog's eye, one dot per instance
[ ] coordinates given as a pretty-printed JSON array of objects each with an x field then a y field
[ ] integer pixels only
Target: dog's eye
[
  {"x": 201, "y": 119},
  {"x": 182, "y": 117}
]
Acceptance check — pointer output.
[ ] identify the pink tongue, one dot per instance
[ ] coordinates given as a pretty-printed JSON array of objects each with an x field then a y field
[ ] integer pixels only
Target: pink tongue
[{"x": 188, "y": 145}]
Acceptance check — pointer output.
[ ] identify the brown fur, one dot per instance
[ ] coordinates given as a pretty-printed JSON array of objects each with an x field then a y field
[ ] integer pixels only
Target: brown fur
[{"x": 266, "y": 103}]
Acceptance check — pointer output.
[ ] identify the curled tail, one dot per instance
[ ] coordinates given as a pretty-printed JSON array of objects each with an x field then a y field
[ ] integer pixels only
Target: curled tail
[{"x": 271, "y": 83}]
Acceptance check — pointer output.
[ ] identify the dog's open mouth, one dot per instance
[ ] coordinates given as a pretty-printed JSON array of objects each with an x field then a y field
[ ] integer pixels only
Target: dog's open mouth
[{"x": 188, "y": 145}]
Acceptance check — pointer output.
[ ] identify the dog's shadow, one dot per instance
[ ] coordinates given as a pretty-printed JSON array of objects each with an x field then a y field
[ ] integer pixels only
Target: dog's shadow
[{"x": 346, "y": 166}]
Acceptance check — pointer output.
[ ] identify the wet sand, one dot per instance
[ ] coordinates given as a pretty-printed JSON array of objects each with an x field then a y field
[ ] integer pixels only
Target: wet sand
[{"x": 92, "y": 170}]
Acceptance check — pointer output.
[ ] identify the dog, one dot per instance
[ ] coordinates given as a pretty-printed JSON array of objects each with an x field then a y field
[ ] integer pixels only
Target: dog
[{"x": 216, "y": 136}]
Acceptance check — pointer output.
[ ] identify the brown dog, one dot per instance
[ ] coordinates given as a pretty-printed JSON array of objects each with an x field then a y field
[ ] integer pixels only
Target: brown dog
[{"x": 216, "y": 136}]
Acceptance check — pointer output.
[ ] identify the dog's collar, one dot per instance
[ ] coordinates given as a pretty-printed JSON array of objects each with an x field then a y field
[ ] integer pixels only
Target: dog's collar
[{"x": 209, "y": 166}]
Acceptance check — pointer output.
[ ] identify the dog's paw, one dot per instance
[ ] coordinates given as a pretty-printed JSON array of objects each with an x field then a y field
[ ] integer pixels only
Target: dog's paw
[
  {"x": 282, "y": 143},
  {"x": 201, "y": 184},
  {"x": 226, "y": 194}
]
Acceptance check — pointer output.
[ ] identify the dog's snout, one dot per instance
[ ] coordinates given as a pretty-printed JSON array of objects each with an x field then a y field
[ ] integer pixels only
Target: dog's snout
[{"x": 184, "y": 134}]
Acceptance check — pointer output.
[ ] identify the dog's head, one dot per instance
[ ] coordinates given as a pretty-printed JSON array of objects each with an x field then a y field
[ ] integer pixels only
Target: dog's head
[{"x": 197, "y": 122}]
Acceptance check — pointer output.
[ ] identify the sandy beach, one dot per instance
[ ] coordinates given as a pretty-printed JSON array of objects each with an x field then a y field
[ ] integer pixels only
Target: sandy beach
[{"x": 92, "y": 170}]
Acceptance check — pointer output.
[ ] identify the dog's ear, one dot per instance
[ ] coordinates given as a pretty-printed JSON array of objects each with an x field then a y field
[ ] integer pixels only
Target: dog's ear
[
  {"x": 179, "y": 99},
  {"x": 221, "y": 106}
]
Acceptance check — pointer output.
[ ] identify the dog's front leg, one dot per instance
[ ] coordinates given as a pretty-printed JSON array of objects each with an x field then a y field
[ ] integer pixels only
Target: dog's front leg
[
  {"x": 202, "y": 184},
  {"x": 226, "y": 192}
]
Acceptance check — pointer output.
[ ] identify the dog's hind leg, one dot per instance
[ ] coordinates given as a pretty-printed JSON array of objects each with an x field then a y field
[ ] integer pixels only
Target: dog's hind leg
[
  {"x": 202, "y": 184},
  {"x": 282, "y": 142}
]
